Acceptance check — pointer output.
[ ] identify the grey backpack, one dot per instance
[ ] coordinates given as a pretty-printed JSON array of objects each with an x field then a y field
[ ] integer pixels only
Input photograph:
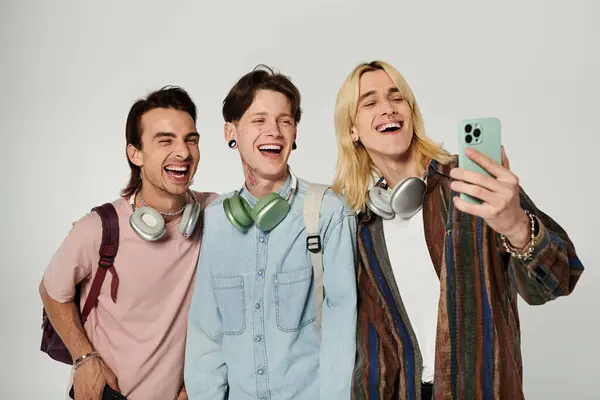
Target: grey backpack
[{"x": 312, "y": 213}]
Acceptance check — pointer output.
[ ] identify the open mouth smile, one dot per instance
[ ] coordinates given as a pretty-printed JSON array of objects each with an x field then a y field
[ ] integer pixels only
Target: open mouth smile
[
  {"x": 177, "y": 173},
  {"x": 270, "y": 150},
  {"x": 390, "y": 127}
]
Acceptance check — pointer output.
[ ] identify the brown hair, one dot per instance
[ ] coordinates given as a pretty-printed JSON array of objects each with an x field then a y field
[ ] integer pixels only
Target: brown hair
[
  {"x": 262, "y": 77},
  {"x": 167, "y": 97}
]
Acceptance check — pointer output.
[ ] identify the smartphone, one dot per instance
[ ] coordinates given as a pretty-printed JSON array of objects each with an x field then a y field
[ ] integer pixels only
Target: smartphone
[{"x": 483, "y": 135}]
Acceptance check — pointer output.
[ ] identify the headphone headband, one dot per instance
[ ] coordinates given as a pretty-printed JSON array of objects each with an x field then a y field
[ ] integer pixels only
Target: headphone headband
[{"x": 149, "y": 224}]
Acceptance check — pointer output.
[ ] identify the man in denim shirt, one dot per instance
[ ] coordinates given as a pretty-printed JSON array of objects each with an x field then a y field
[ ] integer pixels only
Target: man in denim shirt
[{"x": 253, "y": 330}]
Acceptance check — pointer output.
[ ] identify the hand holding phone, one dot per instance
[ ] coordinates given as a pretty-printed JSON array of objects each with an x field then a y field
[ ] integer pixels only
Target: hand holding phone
[{"x": 487, "y": 188}]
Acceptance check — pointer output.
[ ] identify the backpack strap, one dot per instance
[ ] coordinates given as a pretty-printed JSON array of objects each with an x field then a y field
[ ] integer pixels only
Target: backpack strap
[
  {"x": 108, "y": 252},
  {"x": 312, "y": 213}
]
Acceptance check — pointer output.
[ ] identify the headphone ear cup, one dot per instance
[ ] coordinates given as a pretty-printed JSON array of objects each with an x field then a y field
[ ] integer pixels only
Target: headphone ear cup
[
  {"x": 378, "y": 201},
  {"x": 238, "y": 212},
  {"x": 270, "y": 211},
  {"x": 407, "y": 198},
  {"x": 147, "y": 223},
  {"x": 189, "y": 219}
]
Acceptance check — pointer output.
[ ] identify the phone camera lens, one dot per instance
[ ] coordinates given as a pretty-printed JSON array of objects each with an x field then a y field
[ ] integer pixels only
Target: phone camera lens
[
  {"x": 468, "y": 128},
  {"x": 476, "y": 132},
  {"x": 468, "y": 138}
]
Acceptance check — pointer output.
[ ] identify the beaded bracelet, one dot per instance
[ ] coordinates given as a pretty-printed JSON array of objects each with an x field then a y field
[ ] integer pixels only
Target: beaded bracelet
[
  {"x": 81, "y": 360},
  {"x": 525, "y": 256}
]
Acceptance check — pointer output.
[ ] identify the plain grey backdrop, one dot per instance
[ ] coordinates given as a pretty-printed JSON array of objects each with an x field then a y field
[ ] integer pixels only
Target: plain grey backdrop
[{"x": 70, "y": 70}]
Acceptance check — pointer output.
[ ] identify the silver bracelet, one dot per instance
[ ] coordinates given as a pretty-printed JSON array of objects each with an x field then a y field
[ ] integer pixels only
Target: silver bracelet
[
  {"x": 525, "y": 256},
  {"x": 79, "y": 362}
]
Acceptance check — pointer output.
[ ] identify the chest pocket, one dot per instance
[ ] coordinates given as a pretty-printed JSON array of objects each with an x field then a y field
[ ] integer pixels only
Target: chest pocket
[
  {"x": 230, "y": 298},
  {"x": 294, "y": 304}
]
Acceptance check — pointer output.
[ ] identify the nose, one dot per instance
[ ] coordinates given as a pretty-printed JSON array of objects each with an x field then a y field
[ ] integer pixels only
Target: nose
[
  {"x": 273, "y": 129},
  {"x": 386, "y": 108},
  {"x": 181, "y": 150}
]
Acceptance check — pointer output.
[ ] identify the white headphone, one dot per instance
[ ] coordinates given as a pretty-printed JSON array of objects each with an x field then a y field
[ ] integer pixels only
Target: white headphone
[
  {"x": 405, "y": 200},
  {"x": 150, "y": 225}
]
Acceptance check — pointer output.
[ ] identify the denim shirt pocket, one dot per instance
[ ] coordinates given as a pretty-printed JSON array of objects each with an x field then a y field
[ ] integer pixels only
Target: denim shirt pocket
[
  {"x": 294, "y": 304},
  {"x": 230, "y": 298}
]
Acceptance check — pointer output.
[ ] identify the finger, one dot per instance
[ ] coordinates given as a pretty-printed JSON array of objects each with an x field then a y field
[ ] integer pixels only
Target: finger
[
  {"x": 469, "y": 208},
  {"x": 476, "y": 178},
  {"x": 488, "y": 164},
  {"x": 476, "y": 191},
  {"x": 505, "y": 162}
]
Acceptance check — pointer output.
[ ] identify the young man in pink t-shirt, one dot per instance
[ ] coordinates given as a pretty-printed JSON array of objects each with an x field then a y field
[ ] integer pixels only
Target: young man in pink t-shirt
[{"x": 136, "y": 343}]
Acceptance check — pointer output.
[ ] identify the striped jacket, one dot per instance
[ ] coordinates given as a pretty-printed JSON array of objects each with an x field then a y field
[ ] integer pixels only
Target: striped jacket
[{"x": 478, "y": 353}]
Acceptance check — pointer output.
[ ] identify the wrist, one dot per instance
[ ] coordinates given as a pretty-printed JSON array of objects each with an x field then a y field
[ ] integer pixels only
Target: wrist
[
  {"x": 520, "y": 237},
  {"x": 88, "y": 357}
]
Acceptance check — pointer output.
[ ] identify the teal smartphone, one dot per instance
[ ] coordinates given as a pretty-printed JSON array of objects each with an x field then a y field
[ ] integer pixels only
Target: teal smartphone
[{"x": 483, "y": 135}]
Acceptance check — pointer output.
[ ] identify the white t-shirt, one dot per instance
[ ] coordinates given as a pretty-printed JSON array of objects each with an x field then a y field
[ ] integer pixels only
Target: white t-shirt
[{"x": 417, "y": 282}]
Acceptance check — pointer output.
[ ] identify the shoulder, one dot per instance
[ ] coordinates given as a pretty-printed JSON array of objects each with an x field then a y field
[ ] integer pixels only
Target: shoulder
[
  {"x": 205, "y": 198},
  {"x": 333, "y": 206},
  {"x": 216, "y": 202},
  {"x": 213, "y": 213},
  {"x": 86, "y": 230}
]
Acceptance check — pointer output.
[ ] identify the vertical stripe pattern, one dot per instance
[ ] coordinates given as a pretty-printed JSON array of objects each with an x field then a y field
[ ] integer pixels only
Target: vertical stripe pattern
[{"x": 478, "y": 352}]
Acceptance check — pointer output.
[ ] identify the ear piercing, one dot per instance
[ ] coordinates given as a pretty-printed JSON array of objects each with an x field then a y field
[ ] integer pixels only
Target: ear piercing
[
  {"x": 294, "y": 146},
  {"x": 232, "y": 144}
]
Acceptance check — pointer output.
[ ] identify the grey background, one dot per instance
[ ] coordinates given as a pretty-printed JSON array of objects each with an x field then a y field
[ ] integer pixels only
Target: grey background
[{"x": 70, "y": 70}]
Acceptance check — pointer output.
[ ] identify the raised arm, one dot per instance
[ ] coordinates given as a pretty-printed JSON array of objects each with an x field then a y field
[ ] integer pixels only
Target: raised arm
[{"x": 554, "y": 267}]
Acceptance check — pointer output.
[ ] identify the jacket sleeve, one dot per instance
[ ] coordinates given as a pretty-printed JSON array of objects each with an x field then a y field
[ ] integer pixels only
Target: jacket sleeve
[
  {"x": 338, "y": 346},
  {"x": 554, "y": 268},
  {"x": 205, "y": 371}
]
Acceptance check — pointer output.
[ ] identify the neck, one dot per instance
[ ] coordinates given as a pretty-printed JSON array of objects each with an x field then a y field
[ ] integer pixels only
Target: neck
[
  {"x": 260, "y": 186},
  {"x": 161, "y": 201},
  {"x": 397, "y": 169}
]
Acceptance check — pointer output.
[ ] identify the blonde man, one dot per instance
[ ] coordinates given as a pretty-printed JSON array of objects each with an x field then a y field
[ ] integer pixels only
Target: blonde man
[{"x": 438, "y": 277}]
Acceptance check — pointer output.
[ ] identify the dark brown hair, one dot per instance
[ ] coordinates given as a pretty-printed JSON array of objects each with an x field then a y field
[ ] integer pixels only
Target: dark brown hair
[
  {"x": 262, "y": 77},
  {"x": 167, "y": 97}
]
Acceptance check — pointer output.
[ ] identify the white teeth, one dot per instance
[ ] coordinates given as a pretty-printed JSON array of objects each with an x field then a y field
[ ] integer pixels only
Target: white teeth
[
  {"x": 176, "y": 169},
  {"x": 270, "y": 147},
  {"x": 383, "y": 127}
]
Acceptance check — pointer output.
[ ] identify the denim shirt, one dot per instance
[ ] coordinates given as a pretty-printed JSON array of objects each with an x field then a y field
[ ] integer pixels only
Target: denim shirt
[{"x": 251, "y": 329}]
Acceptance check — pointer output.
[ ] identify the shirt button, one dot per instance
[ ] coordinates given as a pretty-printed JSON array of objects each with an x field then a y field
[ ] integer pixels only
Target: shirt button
[
  {"x": 260, "y": 272},
  {"x": 258, "y": 338},
  {"x": 262, "y": 239},
  {"x": 260, "y": 372},
  {"x": 257, "y": 306}
]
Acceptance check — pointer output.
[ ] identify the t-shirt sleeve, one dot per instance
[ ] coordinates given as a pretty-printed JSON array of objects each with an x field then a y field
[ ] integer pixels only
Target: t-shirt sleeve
[{"x": 73, "y": 261}]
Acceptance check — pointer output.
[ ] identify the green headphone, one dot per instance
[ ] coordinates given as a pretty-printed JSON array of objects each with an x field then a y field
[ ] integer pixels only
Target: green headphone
[{"x": 266, "y": 214}]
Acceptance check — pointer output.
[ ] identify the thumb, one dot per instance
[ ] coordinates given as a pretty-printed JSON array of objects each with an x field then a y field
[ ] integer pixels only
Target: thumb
[
  {"x": 505, "y": 162},
  {"x": 111, "y": 379}
]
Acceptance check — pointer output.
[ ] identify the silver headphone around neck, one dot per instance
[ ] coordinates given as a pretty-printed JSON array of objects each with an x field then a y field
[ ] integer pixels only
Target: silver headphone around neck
[
  {"x": 150, "y": 225},
  {"x": 405, "y": 200}
]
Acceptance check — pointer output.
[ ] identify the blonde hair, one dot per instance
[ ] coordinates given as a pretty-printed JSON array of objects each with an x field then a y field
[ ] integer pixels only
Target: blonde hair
[{"x": 355, "y": 170}]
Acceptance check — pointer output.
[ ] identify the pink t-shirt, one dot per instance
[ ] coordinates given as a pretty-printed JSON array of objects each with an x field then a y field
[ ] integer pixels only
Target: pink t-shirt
[{"x": 141, "y": 337}]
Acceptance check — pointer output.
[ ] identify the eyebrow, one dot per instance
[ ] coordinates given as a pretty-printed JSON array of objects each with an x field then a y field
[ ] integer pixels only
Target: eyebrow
[
  {"x": 160, "y": 135},
  {"x": 264, "y": 113},
  {"x": 372, "y": 92}
]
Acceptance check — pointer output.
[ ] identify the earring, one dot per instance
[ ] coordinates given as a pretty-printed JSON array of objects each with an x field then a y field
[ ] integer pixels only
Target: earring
[
  {"x": 232, "y": 143},
  {"x": 294, "y": 146}
]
